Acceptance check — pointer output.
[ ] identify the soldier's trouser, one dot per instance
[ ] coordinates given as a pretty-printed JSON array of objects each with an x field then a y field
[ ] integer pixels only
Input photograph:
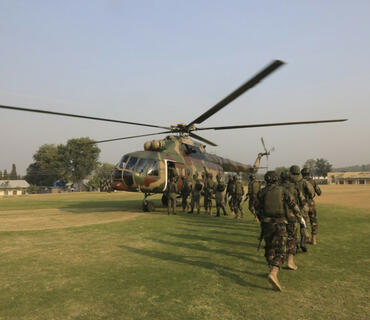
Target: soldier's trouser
[
  {"x": 171, "y": 204},
  {"x": 313, "y": 216},
  {"x": 292, "y": 239},
  {"x": 185, "y": 204},
  {"x": 251, "y": 207},
  {"x": 303, "y": 231},
  {"x": 195, "y": 203},
  {"x": 275, "y": 236},
  {"x": 220, "y": 204},
  {"x": 237, "y": 205}
]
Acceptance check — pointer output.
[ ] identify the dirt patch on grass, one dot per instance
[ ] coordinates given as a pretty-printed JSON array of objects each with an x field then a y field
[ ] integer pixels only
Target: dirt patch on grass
[
  {"x": 357, "y": 196},
  {"x": 42, "y": 219}
]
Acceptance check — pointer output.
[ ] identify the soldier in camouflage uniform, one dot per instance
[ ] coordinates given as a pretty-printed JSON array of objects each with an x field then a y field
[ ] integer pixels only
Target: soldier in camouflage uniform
[
  {"x": 196, "y": 193},
  {"x": 229, "y": 193},
  {"x": 306, "y": 190},
  {"x": 185, "y": 192},
  {"x": 311, "y": 204},
  {"x": 209, "y": 186},
  {"x": 272, "y": 202},
  {"x": 172, "y": 193},
  {"x": 238, "y": 198},
  {"x": 219, "y": 192},
  {"x": 253, "y": 188},
  {"x": 292, "y": 218}
]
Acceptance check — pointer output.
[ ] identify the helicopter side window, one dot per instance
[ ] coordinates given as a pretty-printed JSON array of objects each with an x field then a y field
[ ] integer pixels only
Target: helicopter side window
[
  {"x": 123, "y": 161},
  {"x": 153, "y": 169},
  {"x": 140, "y": 166},
  {"x": 131, "y": 163}
]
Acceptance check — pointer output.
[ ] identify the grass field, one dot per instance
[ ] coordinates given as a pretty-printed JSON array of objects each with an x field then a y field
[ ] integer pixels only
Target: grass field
[{"x": 97, "y": 256}]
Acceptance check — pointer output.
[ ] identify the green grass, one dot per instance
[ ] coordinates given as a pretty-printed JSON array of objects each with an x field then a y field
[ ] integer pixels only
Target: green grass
[{"x": 177, "y": 267}]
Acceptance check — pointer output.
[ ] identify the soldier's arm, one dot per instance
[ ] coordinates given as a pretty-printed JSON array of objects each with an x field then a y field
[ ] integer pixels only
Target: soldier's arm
[
  {"x": 289, "y": 201},
  {"x": 317, "y": 189}
]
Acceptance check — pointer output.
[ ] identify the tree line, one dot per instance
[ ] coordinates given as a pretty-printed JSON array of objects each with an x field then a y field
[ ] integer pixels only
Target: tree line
[
  {"x": 318, "y": 168},
  {"x": 4, "y": 175},
  {"x": 72, "y": 162}
]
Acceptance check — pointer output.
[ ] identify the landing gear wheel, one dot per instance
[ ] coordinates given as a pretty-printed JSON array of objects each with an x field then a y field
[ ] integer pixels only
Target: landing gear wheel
[
  {"x": 164, "y": 200},
  {"x": 148, "y": 206}
]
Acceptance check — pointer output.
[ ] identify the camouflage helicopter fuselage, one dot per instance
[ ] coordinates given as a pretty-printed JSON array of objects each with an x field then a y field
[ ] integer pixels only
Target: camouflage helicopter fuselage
[{"x": 147, "y": 171}]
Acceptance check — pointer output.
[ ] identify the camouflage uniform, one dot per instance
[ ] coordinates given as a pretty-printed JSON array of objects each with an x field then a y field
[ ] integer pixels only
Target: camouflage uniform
[
  {"x": 229, "y": 193},
  {"x": 185, "y": 192},
  {"x": 238, "y": 198},
  {"x": 272, "y": 202},
  {"x": 253, "y": 187},
  {"x": 219, "y": 192},
  {"x": 208, "y": 192},
  {"x": 305, "y": 189},
  {"x": 172, "y": 193},
  {"x": 196, "y": 192},
  {"x": 311, "y": 202}
]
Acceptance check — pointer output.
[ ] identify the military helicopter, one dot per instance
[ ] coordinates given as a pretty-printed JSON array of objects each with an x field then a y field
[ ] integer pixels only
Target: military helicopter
[{"x": 178, "y": 154}]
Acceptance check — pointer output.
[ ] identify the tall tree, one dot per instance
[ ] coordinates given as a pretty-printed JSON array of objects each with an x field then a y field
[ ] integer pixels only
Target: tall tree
[
  {"x": 13, "y": 174},
  {"x": 79, "y": 159},
  {"x": 311, "y": 164},
  {"x": 46, "y": 167},
  {"x": 1, "y": 175},
  {"x": 5, "y": 175},
  {"x": 322, "y": 167}
]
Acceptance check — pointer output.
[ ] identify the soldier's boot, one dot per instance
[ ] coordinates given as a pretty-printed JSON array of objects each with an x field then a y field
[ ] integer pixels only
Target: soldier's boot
[
  {"x": 291, "y": 264},
  {"x": 218, "y": 212},
  {"x": 273, "y": 279},
  {"x": 314, "y": 240},
  {"x": 307, "y": 236}
]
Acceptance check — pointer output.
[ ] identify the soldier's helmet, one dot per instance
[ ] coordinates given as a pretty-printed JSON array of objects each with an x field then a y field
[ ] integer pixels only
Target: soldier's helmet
[
  {"x": 305, "y": 172},
  {"x": 295, "y": 170},
  {"x": 284, "y": 175},
  {"x": 271, "y": 177}
]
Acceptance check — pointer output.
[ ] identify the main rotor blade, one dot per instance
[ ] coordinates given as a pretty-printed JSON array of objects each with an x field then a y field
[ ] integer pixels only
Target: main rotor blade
[
  {"x": 263, "y": 144},
  {"x": 80, "y": 116},
  {"x": 238, "y": 92},
  {"x": 195, "y": 136},
  {"x": 131, "y": 137},
  {"x": 270, "y": 124}
]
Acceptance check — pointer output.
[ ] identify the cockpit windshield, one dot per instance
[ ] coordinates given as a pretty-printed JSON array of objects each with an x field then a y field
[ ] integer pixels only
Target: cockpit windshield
[
  {"x": 131, "y": 163},
  {"x": 123, "y": 161},
  {"x": 153, "y": 169},
  {"x": 141, "y": 165}
]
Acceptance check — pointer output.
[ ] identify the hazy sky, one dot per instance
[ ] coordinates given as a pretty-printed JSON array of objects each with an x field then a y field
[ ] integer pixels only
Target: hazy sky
[{"x": 165, "y": 62}]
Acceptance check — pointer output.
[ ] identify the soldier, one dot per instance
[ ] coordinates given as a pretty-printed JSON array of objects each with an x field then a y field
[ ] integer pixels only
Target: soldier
[
  {"x": 229, "y": 193},
  {"x": 172, "y": 193},
  {"x": 185, "y": 192},
  {"x": 208, "y": 192},
  {"x": 196, "y": 192},
  {"x": 311, "y": 204},
  {"x": 292, "y": 230},
  {"x": 238, "y": 197},
  {"x": 306, "y": 190},
  {"x": 272, "y": 202},
  {"x": 253, "y": 188},
  {"x": 219, "y": 191}
]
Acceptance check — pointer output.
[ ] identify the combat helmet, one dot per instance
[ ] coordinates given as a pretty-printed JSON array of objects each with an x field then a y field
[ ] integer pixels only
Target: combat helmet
[
  {"x": 271, "y": 177},
  {"x": 295, "y": 170},
  {"x": 305, "y": 171},
  {"x": 284, "y": 175}
]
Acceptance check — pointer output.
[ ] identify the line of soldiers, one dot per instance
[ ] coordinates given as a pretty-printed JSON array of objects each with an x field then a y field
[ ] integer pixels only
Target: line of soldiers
[
  {"x": 284, "y": 203},
  {"x": 231, "y": 194}
]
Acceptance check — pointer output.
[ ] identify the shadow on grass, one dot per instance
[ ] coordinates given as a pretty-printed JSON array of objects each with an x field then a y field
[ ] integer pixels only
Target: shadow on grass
[
  {"x": 223, "y": 232},
  {"x": 221, "y": 270},
  {"x": 200, "y": 247}
]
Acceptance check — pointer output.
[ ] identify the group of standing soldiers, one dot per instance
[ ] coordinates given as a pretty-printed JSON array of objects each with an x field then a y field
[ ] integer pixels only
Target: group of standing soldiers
[{"x": 286, "y": 202}]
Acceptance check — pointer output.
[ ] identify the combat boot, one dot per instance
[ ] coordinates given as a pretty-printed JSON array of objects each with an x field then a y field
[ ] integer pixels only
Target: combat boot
[
  {"x": 291, "y": 264},
  {"x": 314, "y": 240},
  {"x": 273, "y": 279}
]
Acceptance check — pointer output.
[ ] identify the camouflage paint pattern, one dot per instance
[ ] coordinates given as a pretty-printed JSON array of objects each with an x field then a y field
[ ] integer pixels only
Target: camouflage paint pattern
[{"x": 188, "y": 156}]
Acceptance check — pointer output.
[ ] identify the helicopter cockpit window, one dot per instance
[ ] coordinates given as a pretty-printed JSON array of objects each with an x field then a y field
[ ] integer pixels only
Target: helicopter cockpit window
[
  {"x": 140, "y": 166},
  {"x": 123, "y": 161},
  {"x": 131, "y": 163},
  {"x": 153, "y": 169}
]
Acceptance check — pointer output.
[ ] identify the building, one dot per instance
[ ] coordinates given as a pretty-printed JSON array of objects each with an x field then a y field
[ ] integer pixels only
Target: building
[
  {"x": 362, "y": 177},
  {"x": 13, "y": 187}
]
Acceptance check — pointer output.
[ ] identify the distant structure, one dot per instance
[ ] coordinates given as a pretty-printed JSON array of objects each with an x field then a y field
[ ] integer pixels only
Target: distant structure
[
  {"x": 361, "y": 177},
  {"x": 13, "y": 187}
]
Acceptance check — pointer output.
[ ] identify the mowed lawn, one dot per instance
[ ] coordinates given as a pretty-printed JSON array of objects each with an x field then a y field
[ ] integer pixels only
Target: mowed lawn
[{"x": 97, "y": 256}]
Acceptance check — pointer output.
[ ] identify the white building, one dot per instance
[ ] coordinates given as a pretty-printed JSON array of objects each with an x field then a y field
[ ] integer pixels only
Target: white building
[
  {"x": 13, "y": 187},
  {"x": 349, "y": 177}
]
